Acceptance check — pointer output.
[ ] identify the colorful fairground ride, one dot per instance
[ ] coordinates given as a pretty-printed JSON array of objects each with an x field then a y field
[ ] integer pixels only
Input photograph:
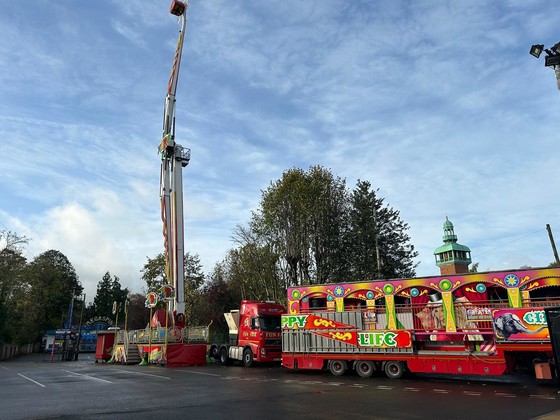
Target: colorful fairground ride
[{"x": 165, "y": 340}]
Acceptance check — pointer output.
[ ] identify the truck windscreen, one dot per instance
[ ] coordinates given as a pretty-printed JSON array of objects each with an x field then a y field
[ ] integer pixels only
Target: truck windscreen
[{"x": 269, "y": 323}]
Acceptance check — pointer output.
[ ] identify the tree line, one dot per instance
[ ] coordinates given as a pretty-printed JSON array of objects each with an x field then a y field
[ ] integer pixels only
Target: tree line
[{"x": 308, "y": 229}]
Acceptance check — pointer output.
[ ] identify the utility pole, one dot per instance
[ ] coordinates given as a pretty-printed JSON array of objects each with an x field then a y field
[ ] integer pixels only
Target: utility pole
[
  {"x": 71, "y": 310},
  {"x": 80, "y": 329},
  {"x": 553, "y": 244}
]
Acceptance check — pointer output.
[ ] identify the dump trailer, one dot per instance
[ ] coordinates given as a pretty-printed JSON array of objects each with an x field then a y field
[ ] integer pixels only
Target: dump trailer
[{"x": 254, "y": 334}]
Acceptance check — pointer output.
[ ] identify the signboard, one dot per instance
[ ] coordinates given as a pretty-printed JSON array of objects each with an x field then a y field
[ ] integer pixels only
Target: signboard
[
  {"x": 311, "y": 322},
  {"x": 475, "y": 313},
  {"x": 380, "y": 339},
  {"x": 385, "y": 339},
  {"x": 520, "y": 324}
]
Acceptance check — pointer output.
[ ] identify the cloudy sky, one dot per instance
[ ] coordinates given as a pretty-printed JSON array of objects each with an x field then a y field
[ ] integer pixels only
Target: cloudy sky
[{"x": 437, "y": 103}]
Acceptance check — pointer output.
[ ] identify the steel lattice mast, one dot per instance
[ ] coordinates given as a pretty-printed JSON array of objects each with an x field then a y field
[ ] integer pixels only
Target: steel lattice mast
[{"x": 173, "y": 158}]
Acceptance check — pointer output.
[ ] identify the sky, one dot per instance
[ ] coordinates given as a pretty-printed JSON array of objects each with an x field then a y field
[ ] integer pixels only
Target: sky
[{"x": 436, "y": 103}]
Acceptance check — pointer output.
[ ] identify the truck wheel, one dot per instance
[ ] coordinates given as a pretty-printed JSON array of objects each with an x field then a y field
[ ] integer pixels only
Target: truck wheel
[
  {"x": 213, "y": 353},
  {"x": 365, "y": 368},
  {"x": 337, "y": 367},
  {"x": 224, "y": 359},
  {"x": 394, "y": 369},
  {"x": 247, "y": 358}
]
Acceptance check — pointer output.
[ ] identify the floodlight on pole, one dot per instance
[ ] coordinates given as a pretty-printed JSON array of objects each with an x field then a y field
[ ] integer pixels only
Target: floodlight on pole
[
  {"x": 551, "y": 60},
  {"x": 536, "y": 50}
]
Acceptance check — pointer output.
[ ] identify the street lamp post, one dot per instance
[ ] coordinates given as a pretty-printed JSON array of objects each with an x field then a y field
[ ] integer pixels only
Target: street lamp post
[{"x": 551, "y": 60}]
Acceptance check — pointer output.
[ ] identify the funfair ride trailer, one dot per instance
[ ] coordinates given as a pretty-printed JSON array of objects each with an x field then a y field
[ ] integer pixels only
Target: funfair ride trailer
[{"x": 472, "y": 324}]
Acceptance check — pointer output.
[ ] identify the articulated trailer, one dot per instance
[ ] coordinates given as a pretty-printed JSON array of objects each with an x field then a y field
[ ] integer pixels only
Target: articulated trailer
[{"x": 470, "y": 324}]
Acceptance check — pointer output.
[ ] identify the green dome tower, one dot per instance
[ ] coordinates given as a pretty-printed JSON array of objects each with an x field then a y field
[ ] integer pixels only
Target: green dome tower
[{"x": 451, "y": 257}]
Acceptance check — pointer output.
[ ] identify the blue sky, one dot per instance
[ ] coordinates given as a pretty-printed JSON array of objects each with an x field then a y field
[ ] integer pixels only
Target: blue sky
[{"x": 438, "y": 104}]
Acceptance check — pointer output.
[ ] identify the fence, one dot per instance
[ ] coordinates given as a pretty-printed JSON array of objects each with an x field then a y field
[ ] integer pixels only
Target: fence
[{"x": 9, "y": 351}]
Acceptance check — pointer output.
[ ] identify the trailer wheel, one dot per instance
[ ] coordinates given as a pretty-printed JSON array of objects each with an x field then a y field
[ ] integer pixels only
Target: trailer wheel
[
  {"x": 365, "y": 368},
  {"x": 224, "y": 358},
  {"x": 337, "y": 367},
  {"x": 394, "y": 369},
  {"x": 247, "y": 358}
]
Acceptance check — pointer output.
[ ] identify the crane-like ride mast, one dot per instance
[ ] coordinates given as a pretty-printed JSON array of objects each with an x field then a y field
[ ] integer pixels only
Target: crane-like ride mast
[{"x": 174, "y": 158}]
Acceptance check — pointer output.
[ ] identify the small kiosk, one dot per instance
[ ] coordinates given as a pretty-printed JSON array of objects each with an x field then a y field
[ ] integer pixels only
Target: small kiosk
[{"x": 104, "y": 347}]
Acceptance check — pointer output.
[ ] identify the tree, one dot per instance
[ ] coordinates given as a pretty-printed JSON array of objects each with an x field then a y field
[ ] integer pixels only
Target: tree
[
  {"x": 301, "y": 217},
  {"x": 321, "y": 233},
  {"x": 377, "y": 241},
  {"x": 12, "y": 266},
  {"x": 51, "y": 281},
  {"x": 254, "y": 267},
  {"x": 109, "y": 291},
  {"x": 153, "y": 273},
  {"x": 218, "y": 296},
  {"x": 11, "y": 240},
  {"x": 138, "y": 314}
]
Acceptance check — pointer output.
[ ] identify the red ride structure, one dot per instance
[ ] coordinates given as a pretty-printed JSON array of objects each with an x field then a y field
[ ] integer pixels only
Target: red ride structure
[{"x": 465, "y": 324}]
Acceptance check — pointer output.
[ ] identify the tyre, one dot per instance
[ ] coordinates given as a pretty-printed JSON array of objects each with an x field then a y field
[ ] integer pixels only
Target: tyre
[
  {"x": 337, "y": 367},
  {"x": 394, "y": 369},
  {"x": 365, "y": 368},
  {"x": 247, "y": 358},
  {"x": 224, "y": 358},
  {"x": 213, "y": 352}
]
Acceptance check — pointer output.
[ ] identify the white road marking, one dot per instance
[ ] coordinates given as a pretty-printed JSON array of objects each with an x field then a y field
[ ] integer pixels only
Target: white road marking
[
  {"x": 87, "y": 376},
  {"x": 334, "y": 383},
  {"x": 357, "y": 386},
  {"x": 472, "y": 393},
  {"x": 5, "y": 368},
  {"x": 139, "y": 373},
  {"x": 411, "y": 389},
  {"x": 29, "y": 379},
  {"x": 543, "y": 397},
  {"x": 385, "y": 387},
  {"x": 197, "y": 373},
  {"x": 441, "y": 391},
  {"x": 503, "y": 394}
]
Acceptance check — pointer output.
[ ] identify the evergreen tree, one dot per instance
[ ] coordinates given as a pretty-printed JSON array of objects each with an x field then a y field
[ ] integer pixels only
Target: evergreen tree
[
  {"x": 379, "y": 247},
  {"x": 109, "y": 291}
]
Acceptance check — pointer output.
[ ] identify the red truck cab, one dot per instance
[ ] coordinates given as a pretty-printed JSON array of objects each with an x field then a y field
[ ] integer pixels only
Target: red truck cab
[{"x": 255, "y": 334}]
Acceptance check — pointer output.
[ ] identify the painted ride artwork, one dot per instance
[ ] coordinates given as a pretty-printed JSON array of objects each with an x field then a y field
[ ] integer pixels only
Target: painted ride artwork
[{"x": 475, "y": 324}]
